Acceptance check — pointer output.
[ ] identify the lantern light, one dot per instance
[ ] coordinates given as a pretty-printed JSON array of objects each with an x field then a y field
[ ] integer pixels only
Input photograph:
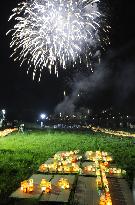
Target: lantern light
[
  {"x": 45, "y": 186},
  {"x": 27, "y": 186}
]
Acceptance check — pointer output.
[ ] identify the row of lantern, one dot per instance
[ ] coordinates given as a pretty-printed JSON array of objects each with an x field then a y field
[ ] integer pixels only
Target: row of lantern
[
  {"x": 105, "y": 159},
  {"x": 100, "y": 167},
  {"x": 112, "y": 170},
  {"x": 7, "y": 131},
  {"x": 27, "y": 186},
  {"x": 62, "y": 165},
  {"x": 102, "y": 182},
  {"x": 111, "y": 132},
  {"x": 67, "y": 157},
  {"x": 63, "y": 162},
  {"x": 54, "y": 167},
  {"x": 90, "y": 155}
]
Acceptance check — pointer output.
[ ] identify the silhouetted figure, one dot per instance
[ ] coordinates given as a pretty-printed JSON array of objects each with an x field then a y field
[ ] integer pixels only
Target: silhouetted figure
[{"x": 21, "y": 128}]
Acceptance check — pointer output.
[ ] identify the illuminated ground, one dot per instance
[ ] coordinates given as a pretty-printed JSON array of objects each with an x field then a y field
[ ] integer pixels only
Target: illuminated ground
[{"x": 21, "y": 154}]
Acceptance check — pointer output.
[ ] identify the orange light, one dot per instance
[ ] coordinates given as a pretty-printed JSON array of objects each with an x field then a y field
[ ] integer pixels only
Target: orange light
[
  {"x": 45, "y": 186},
  {"x": 6, "y": 132},
  {"x": 43, "y": 168},
  {"x": 27, "y": 186},
  {"x": 63, "y": 183}
]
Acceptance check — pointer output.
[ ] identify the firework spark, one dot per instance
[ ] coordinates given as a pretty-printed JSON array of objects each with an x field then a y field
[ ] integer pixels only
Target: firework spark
[{"x": 51, "y": 33}]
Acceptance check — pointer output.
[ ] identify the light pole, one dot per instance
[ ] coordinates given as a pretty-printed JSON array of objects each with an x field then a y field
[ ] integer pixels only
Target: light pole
[
  {"x": 42, "y": 116},
  {"x": 2, "y": 117},
  {"x": 3, "y": 113}
]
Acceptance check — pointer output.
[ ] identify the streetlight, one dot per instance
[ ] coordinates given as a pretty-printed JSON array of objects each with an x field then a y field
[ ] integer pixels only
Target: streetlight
[
  {"x": 2, "y": 117},
  {"x": 42, "y": 116}
]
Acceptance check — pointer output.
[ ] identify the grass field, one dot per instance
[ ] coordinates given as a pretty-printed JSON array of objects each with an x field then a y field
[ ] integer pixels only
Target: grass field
[{"x": 21, "y": 154}]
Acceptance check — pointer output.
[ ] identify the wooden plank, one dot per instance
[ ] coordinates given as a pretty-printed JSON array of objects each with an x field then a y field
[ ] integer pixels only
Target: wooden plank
[
  {"x": 37, "y": 191},
  {"x": 86, "y": 191},
  {"x": 49, "y": 161},
  {"x": 120, "y": 192},
  {"x": 114, "y": 175},
  {"x": 126, "y": 191},
  {"x": 58, "y": 195}
]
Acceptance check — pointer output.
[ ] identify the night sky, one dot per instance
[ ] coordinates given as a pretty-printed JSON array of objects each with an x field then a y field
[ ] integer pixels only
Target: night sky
[{"x": 22, "y": 97}]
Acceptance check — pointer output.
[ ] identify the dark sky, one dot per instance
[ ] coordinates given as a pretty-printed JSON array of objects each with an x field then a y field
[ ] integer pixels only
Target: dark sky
[{"x": 20, "y": 95}]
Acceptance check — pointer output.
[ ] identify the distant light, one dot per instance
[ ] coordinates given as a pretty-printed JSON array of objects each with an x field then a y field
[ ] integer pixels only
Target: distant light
[
  {"x": 42, "y": 116},
  {"x": 4, "y": 111},
  {"x": 127, "y": 116},
  {"x": 113, "y": 117}
]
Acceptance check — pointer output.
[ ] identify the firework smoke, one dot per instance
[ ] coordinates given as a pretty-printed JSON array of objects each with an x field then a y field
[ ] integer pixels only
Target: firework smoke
[
  {"x": 51, "y": 33},
  {"x": 81, "y": 84}
]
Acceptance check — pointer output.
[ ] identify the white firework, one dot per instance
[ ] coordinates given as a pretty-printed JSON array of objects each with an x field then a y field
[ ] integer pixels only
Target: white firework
[{"x": 51, "y": 33}]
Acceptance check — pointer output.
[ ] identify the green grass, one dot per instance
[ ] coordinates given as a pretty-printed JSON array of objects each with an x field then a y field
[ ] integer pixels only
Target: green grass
[{"x": 21, "y": 154}]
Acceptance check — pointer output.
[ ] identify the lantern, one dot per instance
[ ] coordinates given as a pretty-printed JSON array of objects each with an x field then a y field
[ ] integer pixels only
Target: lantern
[
  {"x": 109, "y": 158},
  {"x": 75, "y": 167},
  {"x": 88, "y": 168},
  {"x": 118, "y": 171},
  {"x": 102, "y": 200},
  {"x": 124, "y": 172},
  {"x": 108, "y": 201},
  {"x": 63, "y": 183},
  {"x": 60, "y": 168},
  {"x": 24, "y": 186},
  {"x": 27, "y": 186},
  {"x": 67, "y": 168},
  {"x": 45, "y": 186},
  {"x": 31, "y": 186},
  {"x": 74, "y": 159},
  {"x": 52, "y": 167},
  {"x": 98, "y": 172},
  {"x": 106, "y": 164},
  {"x": 43, "y": 168}
]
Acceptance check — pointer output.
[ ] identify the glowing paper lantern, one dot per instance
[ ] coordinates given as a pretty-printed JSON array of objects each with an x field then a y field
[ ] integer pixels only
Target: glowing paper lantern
[
  {"x": 63, "y": 183},
  {"x": 27, "y": 186},
  {"x": 43, "y": 168},
  {"x": 45, "y": 186}
]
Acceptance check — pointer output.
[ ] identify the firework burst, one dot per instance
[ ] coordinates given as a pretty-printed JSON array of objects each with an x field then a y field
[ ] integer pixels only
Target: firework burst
[{"x": 51, "y": 33}]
